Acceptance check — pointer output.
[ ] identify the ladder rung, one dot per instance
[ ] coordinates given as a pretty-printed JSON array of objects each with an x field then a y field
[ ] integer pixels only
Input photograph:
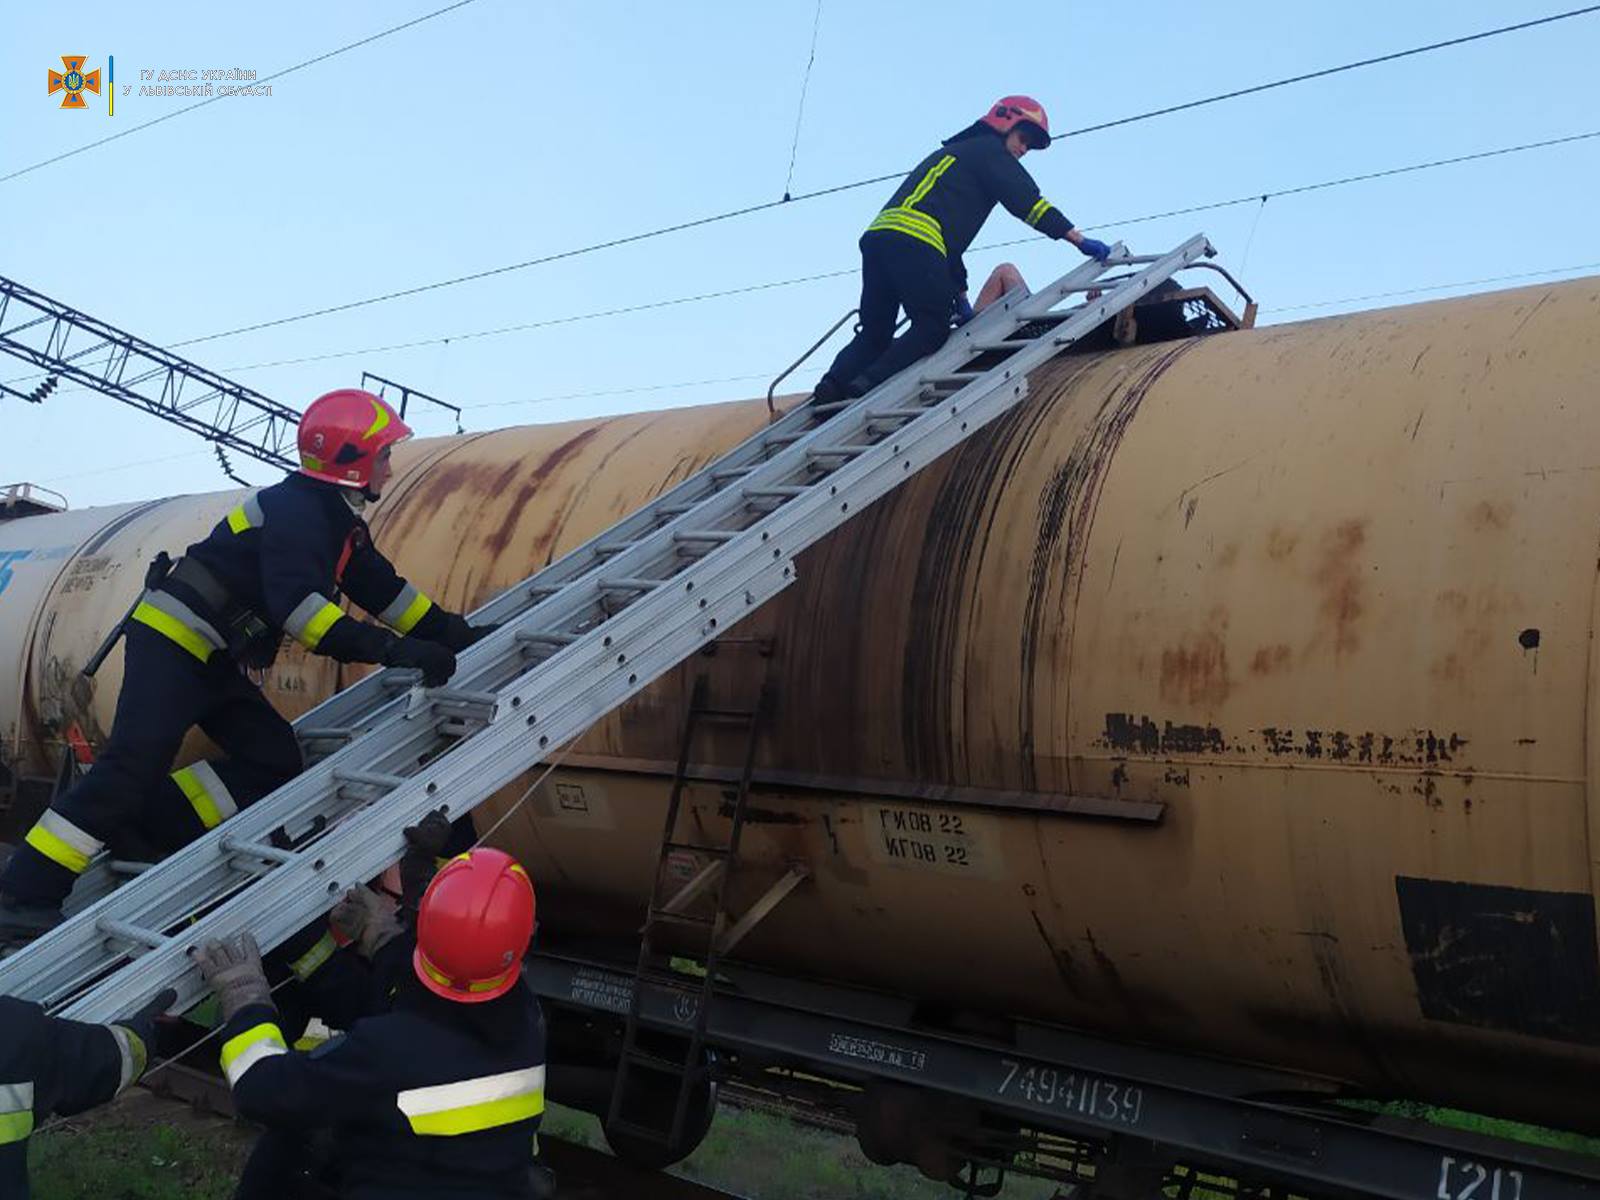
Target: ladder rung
[
  {"x": 450, "y": 695},
  {"x": 858, "y": 447},
  {"x": 726, "y": 714},
  {"x": 675, "y": 510},
  {"x": 655, "y": 1062},
  {"x": 836, "y": 452},
  {"x": 832, "y": 406},
  {"x": 731, "y": 472},
  {"x": 377, "y": 779},
  {"x": 1006, "y": 344},
  {"x": 327, "y": 734},
  {"x": 714, "y": 851},
  {"x": 400, "y": 679},
  {"x": 705, "y": 535},
  {"x": 542, "y": 591},
  {"x": 131, "y": 933},
  {"x": 954, "y": 377},
  {"x": 608, "y": 551},
  {"x": 646, "y": 1133},
  {"x": 677, "y": 918},
  {"x": 780, "y": 492},
  {"x": 898, "y": 413},
  {"x": 528, "y": 638},
  {"x": 783, "y": 439},
  {"x": 258, "y": 850},
  {"x": 630, "y": 583}
]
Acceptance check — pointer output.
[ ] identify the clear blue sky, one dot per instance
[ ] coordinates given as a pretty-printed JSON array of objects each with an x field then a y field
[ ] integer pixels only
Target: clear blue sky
[{"x": 506, "y": 130}]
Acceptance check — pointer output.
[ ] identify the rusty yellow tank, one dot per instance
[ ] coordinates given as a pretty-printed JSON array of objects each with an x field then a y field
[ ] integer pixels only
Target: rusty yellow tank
[{"x": 1231, "y": 695}]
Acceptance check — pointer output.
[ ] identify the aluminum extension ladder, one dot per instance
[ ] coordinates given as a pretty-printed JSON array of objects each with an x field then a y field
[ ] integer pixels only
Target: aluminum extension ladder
[{"x": 577, "y": 639}]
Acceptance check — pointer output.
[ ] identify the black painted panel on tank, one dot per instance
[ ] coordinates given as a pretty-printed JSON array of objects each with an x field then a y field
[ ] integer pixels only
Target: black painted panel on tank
[{"x": 1503, "y": 958}]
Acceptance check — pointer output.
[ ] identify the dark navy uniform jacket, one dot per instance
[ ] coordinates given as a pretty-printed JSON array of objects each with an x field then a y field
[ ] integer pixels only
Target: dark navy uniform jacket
[
  {"x": 285, "y": 554},
  {"x": 950, "y": 194},
  {"x": 49, "y": 1065},
  {"x": 430, "y": 1098}
]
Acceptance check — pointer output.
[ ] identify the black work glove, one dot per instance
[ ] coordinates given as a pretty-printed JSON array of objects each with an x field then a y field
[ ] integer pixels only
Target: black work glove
[
  {"x": 142, "y": 1026},
  {"x": 458, "y": 635},
  {"x": 425, "y": 842},
  {"x": 436, "y": 662}
]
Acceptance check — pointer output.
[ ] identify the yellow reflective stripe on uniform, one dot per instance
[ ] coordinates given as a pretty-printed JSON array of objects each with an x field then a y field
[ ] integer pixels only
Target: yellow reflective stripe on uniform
[
  {"x": 405, "y": 610},
  {"x": 473, "y": 1105},
  {"x": 894, "y": 219},
  {"x": 311, "y": 961},
  {"x": 59, "y": 840},
  {"x": 904, "y": 217},
  {"x": 915, "y": 220},
  {"x": 169, "y": 626},
  {"x": 131, "y": 1048},
  {"x": 1040, "y": 207},
  {"x": 15, "y": 1127},
  {"x": 928, "y": 180},
  {"x": 241, "y": 1053},
  {"x": 16, "y": 1112},
  {"x": 897, "y": 220},
  {"x": 311, "y": 619},
  {"x": 206, "y": 793},
  {"x": 246, "y": 515}
]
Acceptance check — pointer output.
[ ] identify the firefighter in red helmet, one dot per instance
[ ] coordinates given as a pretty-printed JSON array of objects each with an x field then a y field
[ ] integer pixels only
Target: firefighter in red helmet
[
  {"x": 911, "y": 252},
  {"x": 441, "y": 1092},
  {"x": 275, "y": 563}
]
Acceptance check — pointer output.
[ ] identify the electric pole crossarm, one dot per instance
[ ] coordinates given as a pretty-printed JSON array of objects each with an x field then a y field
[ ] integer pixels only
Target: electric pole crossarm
[{"x": 38, "y": 330}]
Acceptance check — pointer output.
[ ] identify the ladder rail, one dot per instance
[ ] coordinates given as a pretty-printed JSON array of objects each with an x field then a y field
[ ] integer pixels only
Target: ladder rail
[
  {"x": 366, "y": 700},
  {"x": 283, "y": 901},
  {"x": 618, "y": 652}
]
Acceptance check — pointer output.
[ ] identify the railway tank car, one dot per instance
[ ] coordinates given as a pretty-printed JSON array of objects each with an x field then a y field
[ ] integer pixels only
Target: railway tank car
[{"x": 1232, "y": 695}]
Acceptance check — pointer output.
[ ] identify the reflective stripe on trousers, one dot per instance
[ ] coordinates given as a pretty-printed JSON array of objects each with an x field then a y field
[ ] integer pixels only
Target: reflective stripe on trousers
[
  {"x": 473, "y": 1105},
  {"x": 63, "y": 843},
  {"x": 206, "y": 793}
]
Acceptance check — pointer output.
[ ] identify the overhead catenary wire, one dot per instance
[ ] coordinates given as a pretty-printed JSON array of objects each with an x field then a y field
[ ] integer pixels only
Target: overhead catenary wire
[
  {"x": 819, "y": 193},
  {"x": 189, "y": 108},
  {"x": 800, "y": 112},
  {"x": 1209, "y": 206},
  {"x": 1395, "y": 56},
  {"x": 1434, "y": 287}
]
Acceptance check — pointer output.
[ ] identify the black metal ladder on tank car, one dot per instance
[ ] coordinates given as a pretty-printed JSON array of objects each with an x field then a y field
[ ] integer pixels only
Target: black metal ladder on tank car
[
  {"x": 703, "y": 932},
  {"x": 575, "y": 641}
]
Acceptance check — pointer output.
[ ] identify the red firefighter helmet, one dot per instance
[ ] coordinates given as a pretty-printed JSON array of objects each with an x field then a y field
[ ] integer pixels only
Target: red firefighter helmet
[
  {"x": 1011, "y": 111},
  {"x": 473, "y": 927},
  {"x": 342, "y": 433}
]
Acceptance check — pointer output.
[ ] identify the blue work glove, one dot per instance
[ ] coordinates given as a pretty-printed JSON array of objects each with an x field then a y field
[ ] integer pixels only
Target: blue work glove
[
  {"x": 961, "y": 311},
  {"x": 1095, "y": 248}
]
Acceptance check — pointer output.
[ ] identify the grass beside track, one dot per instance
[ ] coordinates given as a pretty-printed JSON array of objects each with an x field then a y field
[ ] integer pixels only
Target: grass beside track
[{"x": 146, "y": 1148}]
